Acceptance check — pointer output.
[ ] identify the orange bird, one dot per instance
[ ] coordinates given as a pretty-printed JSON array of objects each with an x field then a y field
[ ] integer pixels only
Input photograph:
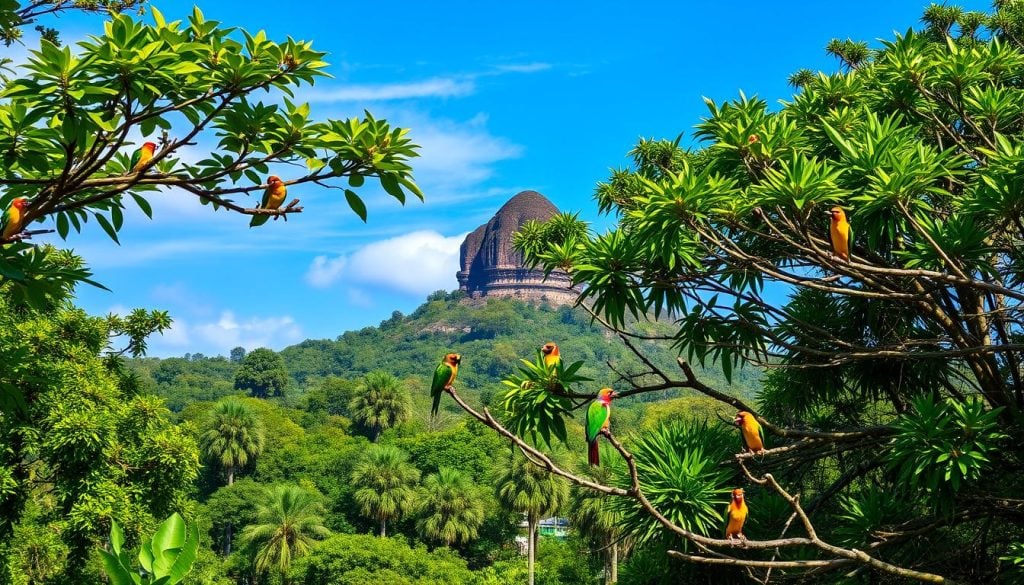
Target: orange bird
[
  {"x": 142, "y": 156},
  {"x": 273, "y": 197},
  {"x": 14, "y": 218},
  {"x": 840, "y": 232},
  {"x": 736, "y": 515},
  {"x": 750, "y": 431},
  {"x": 551, "y": 355}
]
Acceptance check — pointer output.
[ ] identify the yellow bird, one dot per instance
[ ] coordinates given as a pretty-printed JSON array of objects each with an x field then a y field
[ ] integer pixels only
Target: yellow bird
[
  {"x": 736, "y": 515},
  {"x": 14, "y": 218},
  {"x": 750, "y": 432},
  {"x": 551, "y": 355},
  {"x": 840, "y": 232}
]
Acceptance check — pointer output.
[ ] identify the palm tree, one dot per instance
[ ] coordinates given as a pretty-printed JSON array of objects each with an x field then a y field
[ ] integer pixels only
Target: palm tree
[
  {"x": 523, "y": 487},
  {"x": 233, "y": 437},
  {"x": 454, "y": 509},
  {"x": 593, "y": 514},
  {"x": 380, "y": 403},
  {"x": 285, "y": 529},
  {"x": 384, "y": 481}
]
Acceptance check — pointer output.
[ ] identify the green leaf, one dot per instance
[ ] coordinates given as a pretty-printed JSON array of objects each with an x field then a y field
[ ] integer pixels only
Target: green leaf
[
  {"x": 117, "y": 574},
  {"x": 356, "y": 204}
]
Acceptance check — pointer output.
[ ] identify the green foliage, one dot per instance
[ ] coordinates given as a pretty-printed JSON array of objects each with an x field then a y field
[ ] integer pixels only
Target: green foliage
[
  {"x": 384, "y": 481},
  {"x": 538, "y": 398},
  {"x": 165, "y": 559},
  {"x": 526, "y": 488},
  {"x": 355, "y": 559},
  {"x": 233, "y": 436},
  {"x": 176, "y": 82},
  {"x": 450, "y": 506},
  {"x": 262, "y": 374},
  {"x": 679, "y": 473},
  {"x": 285, "y": 529},
  {"x": 380, "y": 402},
  {"x": 106, "y": 452},
  {"x": 942, "y": 446}
]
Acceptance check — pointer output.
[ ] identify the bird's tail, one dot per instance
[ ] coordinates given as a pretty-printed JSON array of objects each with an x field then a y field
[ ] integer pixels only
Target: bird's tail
[
  {"x": 437, "y": 404},
  {"x": 593, "y": 455}
]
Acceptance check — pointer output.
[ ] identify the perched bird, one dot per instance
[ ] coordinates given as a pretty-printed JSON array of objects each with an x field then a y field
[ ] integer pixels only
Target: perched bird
[
  {"x": 841, "y": 234},
  {"x": 273, "y": 197},
  {"x": 142, "y": 156},
  {"x": 735, "y": 515},
  {"x": 599, "y": 415},
  {"x": 444, "y": 376},
  {"x": 750, "y": 431},
  {"x": 14, "y": 218},
  {"x": 551, "y": 356}
]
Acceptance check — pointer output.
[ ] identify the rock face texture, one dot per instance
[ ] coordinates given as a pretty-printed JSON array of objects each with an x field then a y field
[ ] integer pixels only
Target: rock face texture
[{"x": 492, "y": 267}]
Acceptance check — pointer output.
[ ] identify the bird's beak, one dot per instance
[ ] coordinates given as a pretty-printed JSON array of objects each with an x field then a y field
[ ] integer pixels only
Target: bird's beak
[{"x": 614, "y": 394}]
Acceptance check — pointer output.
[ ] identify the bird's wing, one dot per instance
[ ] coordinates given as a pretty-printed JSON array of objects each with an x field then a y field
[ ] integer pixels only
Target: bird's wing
[
  {"x": 760, "y": 434},
  {"x": 136, "y": 157},
  {"x": 442, "y": 376},
  {"x": 266, "y": 197},
  {"x": 596, "y": 415}
]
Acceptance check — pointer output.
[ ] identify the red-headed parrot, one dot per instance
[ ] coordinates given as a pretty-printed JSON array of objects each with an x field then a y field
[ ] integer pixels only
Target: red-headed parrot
[
  {"x": 750, "y": 431},
  {"x": 142, "y": 156},
  {"x": 273, "y": 197},
  {"x": 599, "y": 416},
  {"x": 840, "y": 232},
  {"x": 444, "y": 376},
  {"x": 736, "y": 515},
  {"x": 14, "y": 218},
  {"x": 551, "y": 356}
]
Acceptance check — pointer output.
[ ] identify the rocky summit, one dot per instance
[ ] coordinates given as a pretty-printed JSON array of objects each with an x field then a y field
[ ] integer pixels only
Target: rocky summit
[{"x": 490, "y": 266}]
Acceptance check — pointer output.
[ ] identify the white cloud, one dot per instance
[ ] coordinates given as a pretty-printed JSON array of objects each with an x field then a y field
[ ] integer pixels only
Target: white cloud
[
  {"x": 436, "y": 87},
  {"x": 457, "y": 153},
  {"x": 228, "y": 331},
  {"x": 325, "y": 271},
  {"x": 176, "y": 335},
  {"x": 417, "y": 263}
]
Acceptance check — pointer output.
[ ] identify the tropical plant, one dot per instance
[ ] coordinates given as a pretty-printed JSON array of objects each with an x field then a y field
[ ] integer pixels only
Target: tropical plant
[
  {"x": 69, "y": 119},
  {"x": 380, "y": 402},
  {"x": 165, "y": 559},
  {"x": 595, "y": 516},
  {"x": 539, "y": 397},
  {"x": 451, "y": 509},
  {"x": 897, "y": 366},
  {"x": 233, "y": 437},
  {"x": 286, "y": 528},
  {"x": 524, "y": 487},
  {"x": 385, "y": 484}
]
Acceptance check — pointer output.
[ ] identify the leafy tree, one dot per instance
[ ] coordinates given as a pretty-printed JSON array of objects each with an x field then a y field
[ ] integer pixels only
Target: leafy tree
[
  {"x": 106, "y": 452},
  {"x": 237, "y": 355},
  {"x": 233, "y": 437},
  {"x": 525, "y": 488},
  {"x": 906, "y": 358},
  {"x": 450, "y": 507},
  {"x": 262, "y": 374},
  {"x": 70, "y": 119},
  {"x": 286, "y": 528},
  {"x": 234, "y": 505},
  {"x": 595, "y": 516},
  {"x": 384, "y": 481},
  {"x": 380, "y": 402},
  {"x": 366, "y": 560}
]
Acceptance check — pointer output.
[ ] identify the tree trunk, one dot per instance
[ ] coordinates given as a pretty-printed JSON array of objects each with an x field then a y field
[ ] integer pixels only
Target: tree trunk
[
  {"x": 227, "y": 542},
  {"x": 531, "y": 527},
  {"x": 383, "y": 527},
  {"x": 615, "y": 564}
]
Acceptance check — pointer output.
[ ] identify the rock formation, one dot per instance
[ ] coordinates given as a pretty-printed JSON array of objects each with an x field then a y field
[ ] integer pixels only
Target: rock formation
[{"x": 492, "y": 267}]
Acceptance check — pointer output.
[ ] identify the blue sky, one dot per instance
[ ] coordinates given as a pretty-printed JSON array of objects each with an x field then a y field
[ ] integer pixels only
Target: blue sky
[{"x": 502, "y": 97}]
